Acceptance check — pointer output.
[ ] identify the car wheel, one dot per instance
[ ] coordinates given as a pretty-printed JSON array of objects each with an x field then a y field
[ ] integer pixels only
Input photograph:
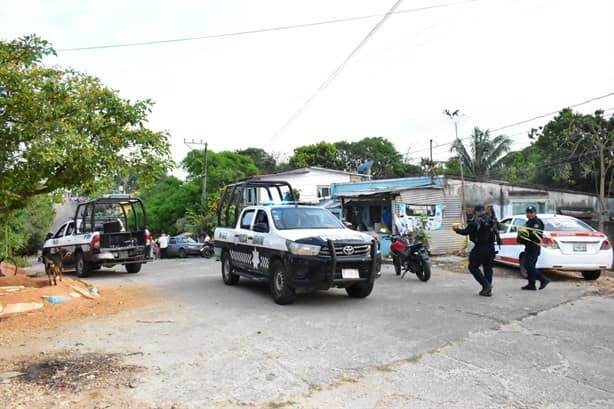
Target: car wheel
[
  {"x": 523, "y": 271},
  {"x": 281, "y": 289},
  {"x": 591, "y": 275},
  {"x": 181, "y": 253},
  {"x": 228, "y": 276},
  {"x": 133, "y": 268},
  {"x": 81, "y": 267},
  {"x": 360, "y": 290}
]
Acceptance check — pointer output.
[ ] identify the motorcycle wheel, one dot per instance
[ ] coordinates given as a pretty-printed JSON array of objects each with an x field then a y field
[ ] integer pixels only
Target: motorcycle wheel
[
  {"x": 425, "y": 274},
  {"x": 207, "y": 252}
]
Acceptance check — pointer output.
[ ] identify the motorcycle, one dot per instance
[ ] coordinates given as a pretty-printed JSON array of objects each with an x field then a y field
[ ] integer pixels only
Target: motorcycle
[
  {"x": 408, "y": 256},
  {"x": 207, "y": 250}
]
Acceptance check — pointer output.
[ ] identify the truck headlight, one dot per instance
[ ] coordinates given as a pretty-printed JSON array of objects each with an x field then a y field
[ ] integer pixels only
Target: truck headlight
[{"x": 301, "y": 249}]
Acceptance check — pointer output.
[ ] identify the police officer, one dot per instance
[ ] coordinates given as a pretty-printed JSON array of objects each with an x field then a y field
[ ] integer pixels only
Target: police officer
[
  {"x": 481, "y": 230},
  {"x": 531, "y": 238}
]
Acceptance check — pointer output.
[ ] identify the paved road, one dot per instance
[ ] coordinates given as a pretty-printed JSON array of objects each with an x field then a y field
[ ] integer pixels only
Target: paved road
[{"x": 409, "y": 345}]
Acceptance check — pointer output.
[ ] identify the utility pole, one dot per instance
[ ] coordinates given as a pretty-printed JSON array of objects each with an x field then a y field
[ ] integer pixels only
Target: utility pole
[
  {"x": 454, "y": 116},
  {"x": 204, "y": 174},
  {"x": 431, "y": 164}
]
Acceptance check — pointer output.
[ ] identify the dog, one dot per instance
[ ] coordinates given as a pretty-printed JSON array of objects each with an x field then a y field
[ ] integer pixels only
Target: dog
[{"x": 54, "y": 267}]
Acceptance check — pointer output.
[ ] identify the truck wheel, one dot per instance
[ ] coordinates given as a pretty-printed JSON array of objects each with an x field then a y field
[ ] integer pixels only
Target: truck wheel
[
  {"x": 81, "y": 267},
  {"x": 228, "y": 276},
  {"x": 360, "y": 290},
  {"x": 281, "y": 291},
  {"x": 591, "y": 275},
  {"x": 133, "y": 268},
  {"x": 181, "y": 253}
]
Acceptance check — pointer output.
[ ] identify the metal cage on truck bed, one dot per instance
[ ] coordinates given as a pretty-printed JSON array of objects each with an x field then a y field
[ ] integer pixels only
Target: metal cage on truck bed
[{"x": 251, "y": 193}]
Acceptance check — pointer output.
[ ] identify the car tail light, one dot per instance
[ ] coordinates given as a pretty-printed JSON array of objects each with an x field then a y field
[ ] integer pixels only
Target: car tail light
[
  {"x": 606, "y": 245},
  {"x": 147, "y": 237},
  {"x": 548, "y": 243},
  {"x": 95, "y": 243}
]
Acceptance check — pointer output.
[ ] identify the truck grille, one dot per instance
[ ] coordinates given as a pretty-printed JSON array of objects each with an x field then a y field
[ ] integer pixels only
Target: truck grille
[{"x": 347, "y": 250}]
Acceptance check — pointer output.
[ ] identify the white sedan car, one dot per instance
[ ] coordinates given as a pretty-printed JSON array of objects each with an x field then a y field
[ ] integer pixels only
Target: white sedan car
[{"x": 567, "y": 244}]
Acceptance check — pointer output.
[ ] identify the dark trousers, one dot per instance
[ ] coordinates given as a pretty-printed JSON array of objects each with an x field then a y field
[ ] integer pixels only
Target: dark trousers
[
  {"x": 530, "y": 259},
  {"x": 482, "y": 256}
]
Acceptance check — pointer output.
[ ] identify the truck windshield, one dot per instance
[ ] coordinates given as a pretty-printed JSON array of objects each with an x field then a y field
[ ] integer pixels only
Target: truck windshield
[{"x": 289, "y": 218}]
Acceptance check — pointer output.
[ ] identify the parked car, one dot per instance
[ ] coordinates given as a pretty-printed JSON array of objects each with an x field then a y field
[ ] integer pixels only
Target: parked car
[
  {"x": 568, "y": 244},
  {"x": 183, "y": 246}
]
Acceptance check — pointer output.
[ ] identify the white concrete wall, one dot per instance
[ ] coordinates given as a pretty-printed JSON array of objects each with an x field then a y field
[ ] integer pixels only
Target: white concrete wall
[{"x": 307, "y": 183}]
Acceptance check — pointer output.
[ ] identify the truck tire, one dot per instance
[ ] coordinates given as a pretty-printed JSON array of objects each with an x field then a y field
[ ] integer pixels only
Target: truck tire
[
  {"x": 133, "y": 268},
  {"x": 281, "y": 289},
  {"x": 591, "y": 275},
  {"x": 82, "y": 268},
  {"x": 360, "y": 290},
  {"x": 228, "y": 276}
]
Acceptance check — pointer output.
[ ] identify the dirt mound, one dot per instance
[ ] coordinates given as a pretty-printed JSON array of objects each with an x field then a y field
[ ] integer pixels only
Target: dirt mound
[
  {"x": 10, "y": 269},
  {"x": 36, "y": 289}
]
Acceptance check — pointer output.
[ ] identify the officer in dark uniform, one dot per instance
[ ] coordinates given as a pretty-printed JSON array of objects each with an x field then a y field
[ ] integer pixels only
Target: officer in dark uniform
[
  {"x": 482, "y": 231},
  {"x": 531, "y": 238}
]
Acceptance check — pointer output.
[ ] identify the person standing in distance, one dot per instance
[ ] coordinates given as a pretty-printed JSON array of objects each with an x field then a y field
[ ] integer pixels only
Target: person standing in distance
[
  {"x": 481, "y": 233},
  {"x": 163, "y": 240},
  {"x": 531, "y": 238}
]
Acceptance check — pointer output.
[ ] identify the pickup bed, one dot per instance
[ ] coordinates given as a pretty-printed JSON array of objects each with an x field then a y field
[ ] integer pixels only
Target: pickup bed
[{"x": 104, "y": 232}]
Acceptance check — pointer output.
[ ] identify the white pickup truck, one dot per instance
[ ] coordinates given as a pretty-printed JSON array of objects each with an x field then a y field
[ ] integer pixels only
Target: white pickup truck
[
  {"x": 294, "y": 248},
  {"x": 104, "y": 232}
]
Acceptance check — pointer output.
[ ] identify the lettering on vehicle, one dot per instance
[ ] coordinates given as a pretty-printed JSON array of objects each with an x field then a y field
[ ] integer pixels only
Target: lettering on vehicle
[
  {"x": 223, "y": 235},
  {"x": 242, "y": 238},
  {"x": 259, "y": 240}
]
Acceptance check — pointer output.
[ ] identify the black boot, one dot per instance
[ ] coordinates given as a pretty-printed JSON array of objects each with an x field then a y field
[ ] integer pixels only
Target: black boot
[
  {"x": 530, "y": 287},
  {"x": 486, "y": 292},
  {"x": 543, "y": 284}
]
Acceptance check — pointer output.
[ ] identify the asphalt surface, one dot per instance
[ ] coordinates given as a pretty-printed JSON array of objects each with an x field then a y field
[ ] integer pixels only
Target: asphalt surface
[{"x": 409, "y": 345}]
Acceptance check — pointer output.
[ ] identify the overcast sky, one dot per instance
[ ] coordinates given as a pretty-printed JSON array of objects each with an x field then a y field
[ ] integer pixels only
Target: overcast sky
[{"x": 498, "y": 61}]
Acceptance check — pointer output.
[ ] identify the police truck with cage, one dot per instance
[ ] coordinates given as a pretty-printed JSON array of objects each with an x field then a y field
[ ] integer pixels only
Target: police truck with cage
[{"x": 262, "y": 234}]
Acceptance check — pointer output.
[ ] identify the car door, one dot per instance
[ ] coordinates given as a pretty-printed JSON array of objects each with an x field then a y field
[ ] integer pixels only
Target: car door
[
  {"x": 510, "y": 248},
  {"x": 261, "y": 253},
  {"x": 242, "y": 253}
]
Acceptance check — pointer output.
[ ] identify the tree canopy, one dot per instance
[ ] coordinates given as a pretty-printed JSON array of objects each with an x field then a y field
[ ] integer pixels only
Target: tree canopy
[
  {"x": 61, "y": 129},
  {"x": 483, "y": 154}
]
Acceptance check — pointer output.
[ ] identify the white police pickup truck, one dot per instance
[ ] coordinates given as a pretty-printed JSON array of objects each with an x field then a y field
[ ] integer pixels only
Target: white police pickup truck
[
  {"x": 293, "y": 248},
  {"x": 104, "y": 232}
]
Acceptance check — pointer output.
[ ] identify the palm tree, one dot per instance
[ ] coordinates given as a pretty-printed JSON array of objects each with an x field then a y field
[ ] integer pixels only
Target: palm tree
[{"x": 484, "y": 154}]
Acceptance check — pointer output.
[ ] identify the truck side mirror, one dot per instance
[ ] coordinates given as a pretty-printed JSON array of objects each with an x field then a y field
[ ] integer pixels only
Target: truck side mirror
[{"x": 48, "y": 236}]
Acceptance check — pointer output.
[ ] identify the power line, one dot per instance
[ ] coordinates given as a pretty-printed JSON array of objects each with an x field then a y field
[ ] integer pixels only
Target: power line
[
  {"x": 256, "y": 31},
  {"x": 439, "y": 145},
  {"x": 335, "y": 73}
]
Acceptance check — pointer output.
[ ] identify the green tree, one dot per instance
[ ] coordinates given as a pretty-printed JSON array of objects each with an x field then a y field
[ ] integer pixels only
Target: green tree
[
  {"x": 61, "y": 129},
  {"x": 322, "y": 154},
  {"x": 484, "y": 153},
  {"x": 264, "y": 161},
  {"x": 579, "y": 154},
  {"x": 522, "y": 166},
  {"x": 23, "y": 231},
  {"x": 387, "y": 161},
  {"x": 222, "y": 168}
]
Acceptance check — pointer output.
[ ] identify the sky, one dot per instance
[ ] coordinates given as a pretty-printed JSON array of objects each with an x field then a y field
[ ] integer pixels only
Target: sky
[{"x": 498, "y": 61}]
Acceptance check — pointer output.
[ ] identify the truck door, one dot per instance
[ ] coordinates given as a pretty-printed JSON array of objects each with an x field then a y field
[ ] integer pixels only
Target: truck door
[{"x": 242, "y": 253}]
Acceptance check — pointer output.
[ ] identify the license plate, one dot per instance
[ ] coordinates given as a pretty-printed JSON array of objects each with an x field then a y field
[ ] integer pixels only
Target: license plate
[
  {"x": 579, "y": 247},
  {"x": 350, "y": 273}
]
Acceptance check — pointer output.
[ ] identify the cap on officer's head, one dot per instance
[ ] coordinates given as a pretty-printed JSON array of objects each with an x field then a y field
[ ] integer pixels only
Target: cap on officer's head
[
  {"x": 531, "y": 209},
  {"x": 479, "y": 208}
]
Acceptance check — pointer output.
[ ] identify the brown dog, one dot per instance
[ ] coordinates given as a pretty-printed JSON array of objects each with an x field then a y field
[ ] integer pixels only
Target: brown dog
[{"x": 54, "y": 266}]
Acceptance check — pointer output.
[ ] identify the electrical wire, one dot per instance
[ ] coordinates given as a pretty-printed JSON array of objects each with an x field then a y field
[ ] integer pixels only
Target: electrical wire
[
  {"x": 257, "y": 31},
  {"x": 334, "y": 74},
  {"x": 439, "y": 145}
]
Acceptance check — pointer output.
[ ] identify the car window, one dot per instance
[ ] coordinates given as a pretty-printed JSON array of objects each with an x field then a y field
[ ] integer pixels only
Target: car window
[
  {"x": 304, "y": 218},
  {"x": 172, "y": 241},
  {"x": 564, "y": 224},
  {"x": 70, "y": 229},
  {"x": 503, "y": 225},
  {"x": 246, "y": 219},
  {"x": 518, "y": 221},
  {"x": 262, "y": 218},
  {"x": 60, "y": 232}
]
